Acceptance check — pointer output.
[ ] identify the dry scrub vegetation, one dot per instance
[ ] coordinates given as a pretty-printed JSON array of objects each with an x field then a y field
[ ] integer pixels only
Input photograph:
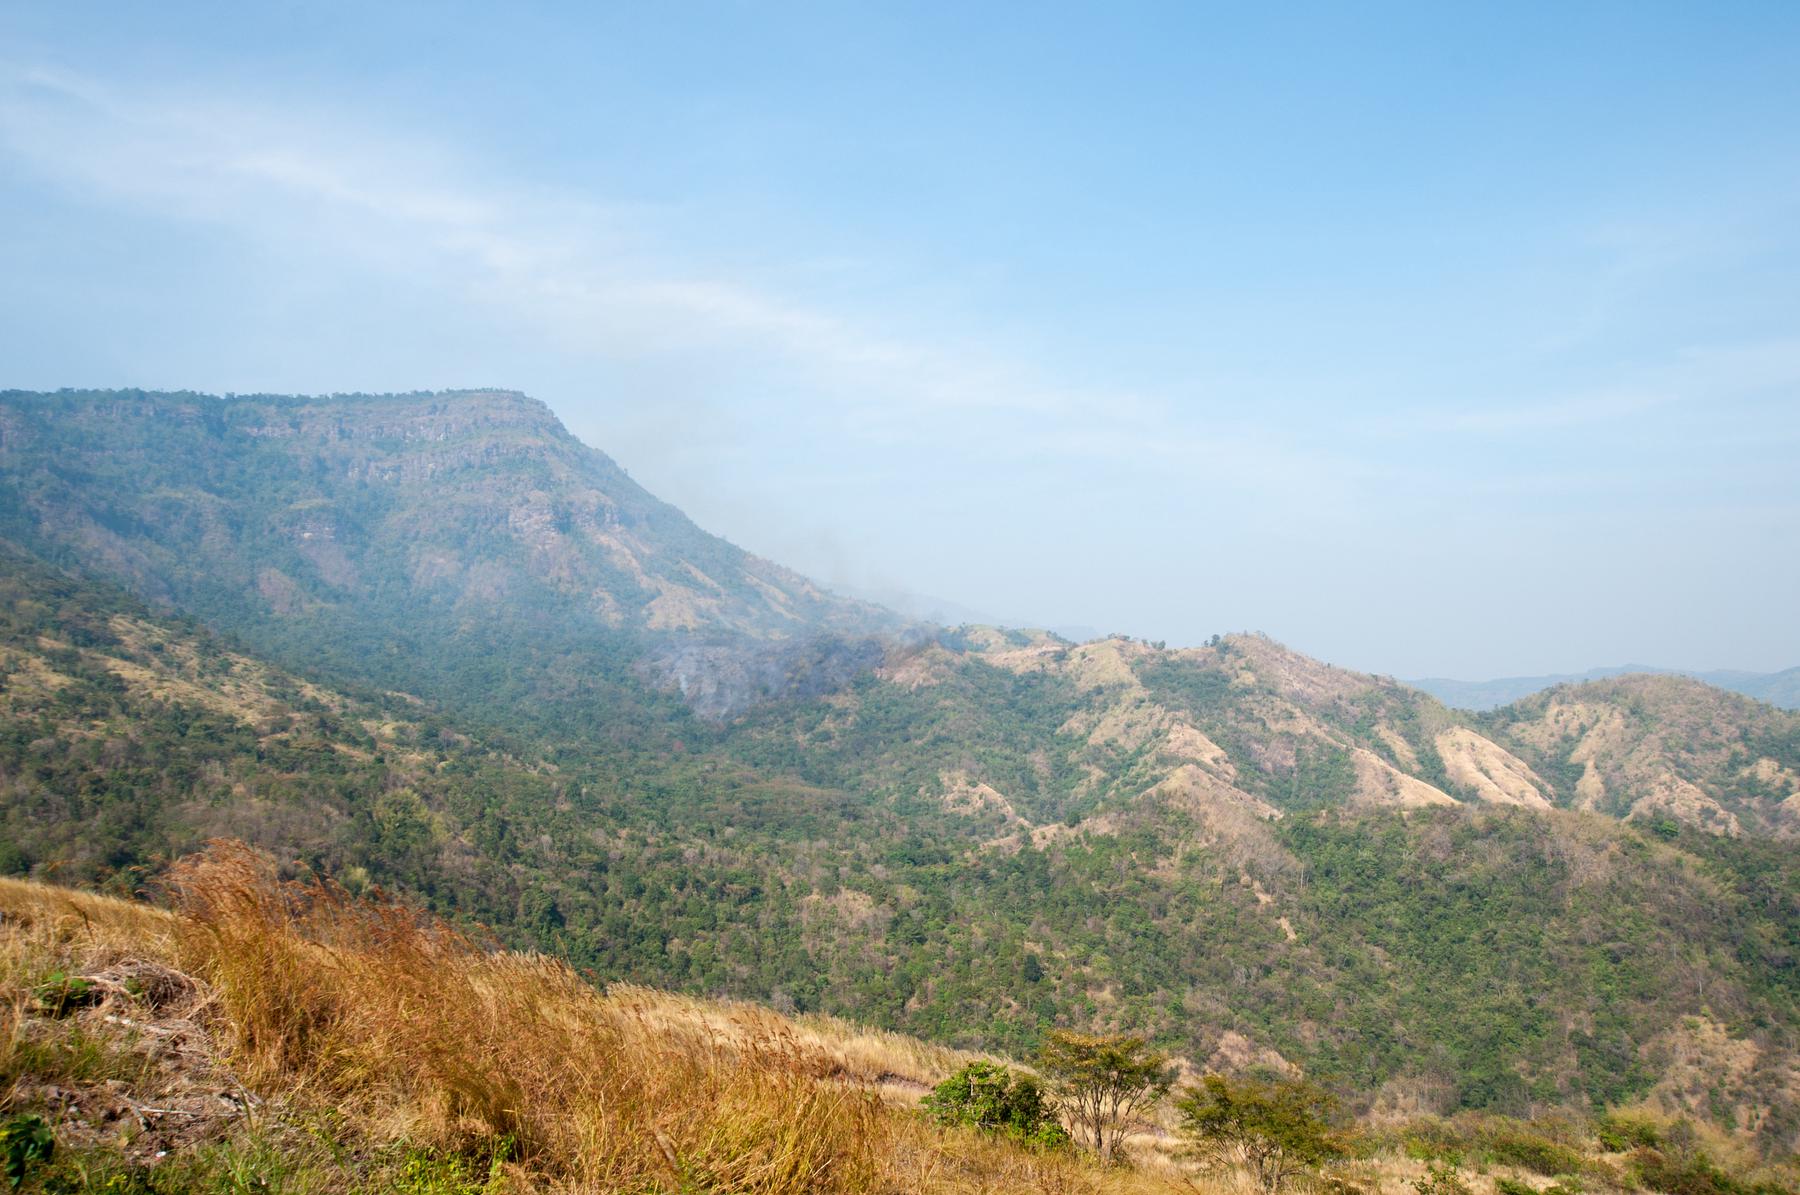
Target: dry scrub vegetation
[{"x": 433, "y": 1064}]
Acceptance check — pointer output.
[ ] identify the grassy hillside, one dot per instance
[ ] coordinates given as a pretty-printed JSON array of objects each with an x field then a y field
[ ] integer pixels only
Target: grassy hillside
[{"x": 298, "y": 1040}]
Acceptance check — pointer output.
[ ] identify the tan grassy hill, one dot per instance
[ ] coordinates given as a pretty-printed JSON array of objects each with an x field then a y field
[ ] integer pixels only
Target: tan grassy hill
[
  {"x": 1650, "y": 748},
  {"x": 275, "y": 1036},
  {"x": 1246, "y": 729},
  {"x": 325, "y": 1044}
]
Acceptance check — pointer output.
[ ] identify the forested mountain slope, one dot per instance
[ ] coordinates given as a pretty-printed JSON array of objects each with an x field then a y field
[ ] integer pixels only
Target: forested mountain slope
[
  {"x": 970, "y": 834},
  {"x": 457, "y": 542}
]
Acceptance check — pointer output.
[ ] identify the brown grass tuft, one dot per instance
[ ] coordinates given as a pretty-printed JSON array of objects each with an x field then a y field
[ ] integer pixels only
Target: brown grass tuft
[{"x": 415, "y": 1031}]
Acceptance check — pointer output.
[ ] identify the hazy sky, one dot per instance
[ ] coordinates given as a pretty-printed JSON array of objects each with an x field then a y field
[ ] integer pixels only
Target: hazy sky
[{"x": 1427, "y": 338}]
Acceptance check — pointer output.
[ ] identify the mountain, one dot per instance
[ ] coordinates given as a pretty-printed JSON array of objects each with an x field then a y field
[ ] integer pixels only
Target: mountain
[
  {"x": 458, "y": 542},
  {"x": 1777, "y": 688},
  {"x": 340, "y": 629}
]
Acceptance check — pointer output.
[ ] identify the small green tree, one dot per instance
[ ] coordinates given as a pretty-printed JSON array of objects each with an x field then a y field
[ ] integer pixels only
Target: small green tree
[
  {"x": 1102, "y": 1081},
  {"x": 1274, "y": 1130},
  {"x": 987, "y": 1096}
]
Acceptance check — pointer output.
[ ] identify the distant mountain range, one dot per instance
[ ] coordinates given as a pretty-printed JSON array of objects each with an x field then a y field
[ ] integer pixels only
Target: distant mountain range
[{"x": 1777, "y": 688}]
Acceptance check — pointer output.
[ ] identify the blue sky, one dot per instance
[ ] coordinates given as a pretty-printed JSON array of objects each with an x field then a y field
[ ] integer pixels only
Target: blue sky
[{"x": 1431, "y": 339}]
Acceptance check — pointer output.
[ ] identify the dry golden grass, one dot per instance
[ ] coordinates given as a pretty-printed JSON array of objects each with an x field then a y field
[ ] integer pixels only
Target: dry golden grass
[
  {"x": 411, "y": 1033},
  {"x": 44, "y": 930},
  {"x": 42, "y": 917},
  {"x": 893, "y": 1062}
]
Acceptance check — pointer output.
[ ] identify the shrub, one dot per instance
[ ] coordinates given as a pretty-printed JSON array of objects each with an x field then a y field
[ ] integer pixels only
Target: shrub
[
  {"x": 1433, "y": 1140},
  {"x": 1619, "y": 1132},
  {"x": 988, "y": 1096},
  {"x": 1545, "y": 1147},
  {"x": 1515, "y": 1146},
  {"x": 1683, "y": 1172},
  {"x": 1513, "y": 1186}
]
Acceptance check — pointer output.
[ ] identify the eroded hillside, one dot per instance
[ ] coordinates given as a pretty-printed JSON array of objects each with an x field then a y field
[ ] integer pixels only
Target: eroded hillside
[
  {"x": 1664, "y": 748},
  {"x": 1245, "y": 728}
]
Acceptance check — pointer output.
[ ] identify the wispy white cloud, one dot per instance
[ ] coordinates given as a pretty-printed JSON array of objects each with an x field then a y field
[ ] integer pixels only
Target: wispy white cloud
[
  {"x": 593, "y": 278},
  {"x": 610, "y": 280},
  {"x": 577, "y": 267}
]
